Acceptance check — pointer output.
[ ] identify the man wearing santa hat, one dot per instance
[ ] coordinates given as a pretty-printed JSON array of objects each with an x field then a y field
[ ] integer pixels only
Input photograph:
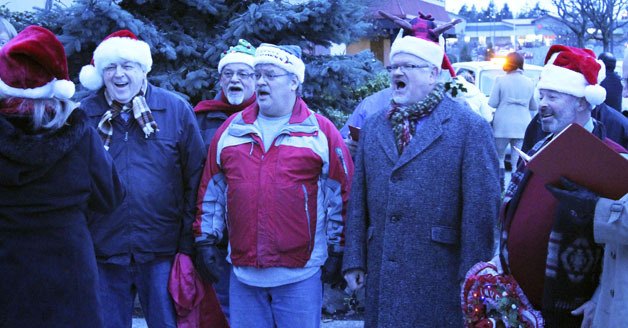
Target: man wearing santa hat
[
  {"x": 555, "y": 279},
  {"x": 154, "y": 139},
  {"x": 424, "y": 196}
]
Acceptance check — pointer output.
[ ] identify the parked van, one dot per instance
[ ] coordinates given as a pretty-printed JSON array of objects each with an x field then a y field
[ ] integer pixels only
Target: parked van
[{"x": 485, "y": 72}]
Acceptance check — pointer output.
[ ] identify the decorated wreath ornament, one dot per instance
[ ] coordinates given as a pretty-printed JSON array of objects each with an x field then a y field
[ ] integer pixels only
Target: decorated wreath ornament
[{"x": 491, "y": 299}]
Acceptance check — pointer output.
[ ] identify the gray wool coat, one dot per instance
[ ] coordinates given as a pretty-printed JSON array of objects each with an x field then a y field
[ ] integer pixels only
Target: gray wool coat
[{"x": 419, "y": 221}]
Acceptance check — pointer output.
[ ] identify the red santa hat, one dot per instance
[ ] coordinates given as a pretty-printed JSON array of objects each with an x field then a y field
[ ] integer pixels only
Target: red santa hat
[
  {"x": 574, "y": 71},
  {"x": 33, "y": 65},
  {"x": 120, "y": 45}
]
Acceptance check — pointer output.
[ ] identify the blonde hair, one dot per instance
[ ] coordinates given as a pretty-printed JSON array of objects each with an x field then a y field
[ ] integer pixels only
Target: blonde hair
[
  {"x": 50, "y": 113},
  {"x": 7, "y": 27}
]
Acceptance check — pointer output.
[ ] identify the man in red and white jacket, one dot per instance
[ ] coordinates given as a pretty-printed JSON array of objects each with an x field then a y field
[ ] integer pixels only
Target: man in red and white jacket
[{"x": 278, "y": 176}]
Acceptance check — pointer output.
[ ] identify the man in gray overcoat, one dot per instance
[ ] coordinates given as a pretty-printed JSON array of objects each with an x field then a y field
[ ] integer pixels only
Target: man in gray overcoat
[{"x": 424, "y": 198}]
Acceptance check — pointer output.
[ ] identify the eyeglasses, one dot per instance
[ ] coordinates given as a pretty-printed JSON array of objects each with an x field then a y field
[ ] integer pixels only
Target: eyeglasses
[
  {"x": 405, "y": 67},
  {"x": 268, "y": 76},
  {"x": 242, "y": 75},
  {"x": 126, "y": 67}
]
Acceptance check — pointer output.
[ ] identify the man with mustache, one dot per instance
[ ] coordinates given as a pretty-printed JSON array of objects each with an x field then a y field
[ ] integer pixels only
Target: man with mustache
[
  {"x": 424, "y": 197},
  {"x": 237, "y": 86},
  {"x": 277, "y": 175}
]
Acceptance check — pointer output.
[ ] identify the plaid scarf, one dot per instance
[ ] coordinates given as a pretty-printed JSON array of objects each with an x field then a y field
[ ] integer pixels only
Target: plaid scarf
[
  {"x": 405, "y": 118},
  {"x": 141, "y": 113}
]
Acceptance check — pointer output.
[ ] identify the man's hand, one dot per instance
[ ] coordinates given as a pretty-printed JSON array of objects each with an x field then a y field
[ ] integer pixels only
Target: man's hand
[
  {"x": 588, "y": 311},
  {"x": 355, "y": 279},
  {"x": 332, "y": 269},
  {"x": 575, "y": 201},
  {"x": 352, "y": 145},
  {"x": 206, "y": 260}
]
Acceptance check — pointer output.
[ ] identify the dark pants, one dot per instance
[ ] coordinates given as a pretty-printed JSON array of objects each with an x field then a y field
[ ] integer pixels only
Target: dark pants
[
  {"x": 222, "y": 287},
  {"x": 118, "y": 285}
]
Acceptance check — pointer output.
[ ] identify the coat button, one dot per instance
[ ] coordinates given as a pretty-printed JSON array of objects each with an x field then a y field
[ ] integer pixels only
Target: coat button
[
  {"x": 613, "y": 255},
  {"x": 395, "y": 218},
  {"x": 612, "y": 293},
  {"x": 395, "y": 179}
]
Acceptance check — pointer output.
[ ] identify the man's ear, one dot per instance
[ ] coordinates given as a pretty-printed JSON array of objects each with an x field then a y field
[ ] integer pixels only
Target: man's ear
[
  {"x": 583, "y": 105},
  {"x": 434, "y": 73},
  {"x": 294, "y": 82}
]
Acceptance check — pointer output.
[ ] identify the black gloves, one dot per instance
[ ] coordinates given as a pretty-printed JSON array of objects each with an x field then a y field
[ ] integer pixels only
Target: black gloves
[
  {"x": 206, "y": 260},
  {"x": 575, "y": 203},
  {"x": 331, "y": 269}
]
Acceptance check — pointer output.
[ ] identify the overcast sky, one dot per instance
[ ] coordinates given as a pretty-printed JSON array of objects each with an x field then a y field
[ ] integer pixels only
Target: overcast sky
[{"x": 515, "y": 6}]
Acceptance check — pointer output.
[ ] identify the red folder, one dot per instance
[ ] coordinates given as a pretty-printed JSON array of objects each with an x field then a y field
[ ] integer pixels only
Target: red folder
[{"x": 583, "y": 158}]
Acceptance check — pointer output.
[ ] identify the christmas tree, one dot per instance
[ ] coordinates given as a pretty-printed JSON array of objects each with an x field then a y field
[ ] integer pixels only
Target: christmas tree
[{"x": 187, "y": 38}]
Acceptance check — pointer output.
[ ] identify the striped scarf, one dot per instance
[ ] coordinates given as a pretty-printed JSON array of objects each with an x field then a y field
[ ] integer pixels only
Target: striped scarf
[
  {"x": 141, "y": 113},
  {"x": 405, "y": 118}
]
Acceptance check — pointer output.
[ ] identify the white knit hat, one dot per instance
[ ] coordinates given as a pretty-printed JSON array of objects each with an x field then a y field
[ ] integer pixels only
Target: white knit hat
[
  {"x": 574, "y": 71},
  {"x": 243, "y": 53},
  {"x": 287, "y": 57},
  {"x": 120, "y": 45}
]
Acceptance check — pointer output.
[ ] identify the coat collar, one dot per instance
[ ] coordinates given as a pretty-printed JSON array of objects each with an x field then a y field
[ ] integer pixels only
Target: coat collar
[
  {"x": 154, "y": 103},
  {"x": 427, "y": 133}
]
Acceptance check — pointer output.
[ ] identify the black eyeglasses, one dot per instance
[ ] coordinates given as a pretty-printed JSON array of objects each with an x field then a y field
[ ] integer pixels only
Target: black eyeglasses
[
  {"x": 405, "y": 67},
  {"x": 268, "y": 76},
  {"x": 240, "y": 74}
]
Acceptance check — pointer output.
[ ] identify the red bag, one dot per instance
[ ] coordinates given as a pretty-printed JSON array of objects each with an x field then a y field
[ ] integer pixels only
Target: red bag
[{"x": 195, "y": 301}]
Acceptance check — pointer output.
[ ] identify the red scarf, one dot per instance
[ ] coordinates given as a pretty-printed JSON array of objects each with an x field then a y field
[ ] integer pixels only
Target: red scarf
[{"x": 222, "y": 105}]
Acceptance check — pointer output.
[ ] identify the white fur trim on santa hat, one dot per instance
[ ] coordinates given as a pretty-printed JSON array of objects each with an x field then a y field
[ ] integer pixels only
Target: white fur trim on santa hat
[
  {"x": 113, "y": 50},
  {"x": 60, "y": 89},
  {"x": 570, "y": 82},
  {"x": 90, "y": 78},
  {"x": 429, "y": 51},
  {"x": 270, "y": 54},
  {"x": 595, "y": 94},
  {"x": 235, "y": 57}
]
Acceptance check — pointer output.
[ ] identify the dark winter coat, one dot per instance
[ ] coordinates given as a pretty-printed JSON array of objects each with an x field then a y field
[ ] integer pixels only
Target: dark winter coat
[
  {"x": 210, "y": 114},
  {"x": 161, "y": 173},
  {"x": 612, "y": 84},
  {"x": 419, "y": 221},
  {"x": 48, "y": 274}
]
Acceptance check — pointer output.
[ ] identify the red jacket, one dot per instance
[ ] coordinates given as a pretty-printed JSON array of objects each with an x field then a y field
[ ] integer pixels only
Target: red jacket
[{"x": 285, "y": 204}]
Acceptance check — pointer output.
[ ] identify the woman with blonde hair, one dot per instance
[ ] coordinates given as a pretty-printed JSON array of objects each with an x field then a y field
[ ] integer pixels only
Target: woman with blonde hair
[
  {"x": 7, "y": 31},
  {"x": 513, "y": 99},
  {"x": 53, "y": 171}
]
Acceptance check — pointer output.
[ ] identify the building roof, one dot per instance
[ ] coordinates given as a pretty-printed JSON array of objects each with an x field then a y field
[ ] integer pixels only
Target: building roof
[{"x": 408, "y": 9}]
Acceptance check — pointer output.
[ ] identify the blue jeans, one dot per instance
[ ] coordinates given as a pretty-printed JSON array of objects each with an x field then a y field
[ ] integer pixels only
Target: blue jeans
[
  {"x": 118, "y": 285},
  {"x": 293, "y": 305}
]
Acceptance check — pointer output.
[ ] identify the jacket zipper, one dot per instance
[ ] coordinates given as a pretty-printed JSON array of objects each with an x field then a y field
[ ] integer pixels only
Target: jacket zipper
[
  {"x": 307, "y": 217},
  {"x": 342, "y": 160}
]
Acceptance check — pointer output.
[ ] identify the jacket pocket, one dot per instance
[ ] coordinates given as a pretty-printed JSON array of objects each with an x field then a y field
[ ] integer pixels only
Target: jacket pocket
[{"x": 445, "y": 235}]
